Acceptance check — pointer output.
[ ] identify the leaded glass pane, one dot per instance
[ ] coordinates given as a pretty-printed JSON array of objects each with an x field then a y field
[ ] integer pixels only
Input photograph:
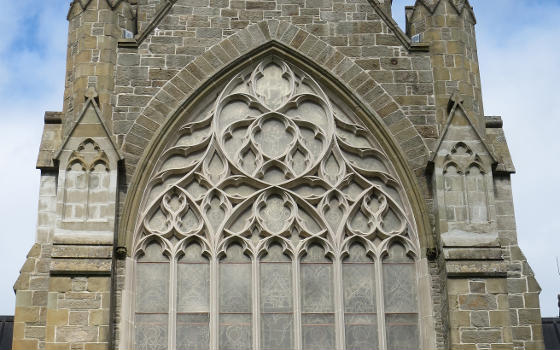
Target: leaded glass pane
[
  {"x": 316, "y": 282},
  {"x": 193, "y": 332},
  {"x": 235, "y": 288},
  {"x": 361, "y": 331},
  {"x": 193, "y": 287},
  {"x": 276, "y": 287},
  {"x": 318, "y": 331},
  {"x": 359, "y": 287},
  {"x": 399, "y": 282},
  {"x": 277, "y": 331},
  {"x": 150, "y": 332},
  {"x": 152, "y": 292},
  {"x": 235, "y": 332},
  {"x": 402, "y": 331}
]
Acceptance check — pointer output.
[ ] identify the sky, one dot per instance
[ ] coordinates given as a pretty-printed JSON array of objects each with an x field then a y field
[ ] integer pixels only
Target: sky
[{"x": 520, "y": 67}]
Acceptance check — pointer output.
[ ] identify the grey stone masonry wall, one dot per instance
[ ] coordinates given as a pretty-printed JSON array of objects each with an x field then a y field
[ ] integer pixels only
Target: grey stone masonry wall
[
  {"x": 217, "y": 32},
  {"x": 449, "y": 27}
]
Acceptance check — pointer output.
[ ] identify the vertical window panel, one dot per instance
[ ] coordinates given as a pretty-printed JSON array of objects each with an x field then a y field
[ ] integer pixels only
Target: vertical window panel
[
  {"x": 401, "y": 305},
  {"x": 76, "y": 192},
  {"x": 317, "y": 300},
  {"x": 150, "y": 331},
  {"x": 193, "y": 300},
  {"x": 476, "y": 194},
  {"x": 454, "y": 194},
  {"x": 276, "y": 300},
  {"x": 152, "y": 299},
  {"x": 360, "y": 313},
  {"x": 98, "y": 192},
  {"x": 235, "y": 300}
]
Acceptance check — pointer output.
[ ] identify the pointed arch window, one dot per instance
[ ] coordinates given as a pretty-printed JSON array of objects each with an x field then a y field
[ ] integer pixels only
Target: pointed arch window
[{"x": 306, "y": 240}]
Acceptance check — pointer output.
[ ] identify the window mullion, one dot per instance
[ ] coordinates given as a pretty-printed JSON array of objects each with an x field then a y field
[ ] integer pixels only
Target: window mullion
[
  {"x": 255, "y": 304},
  {"x": 214, "y": 326},
  {"x": 296, "y": 293},
  {"x": 380, "y": 304},
  {"x": 172, "y": 303},
  {"x": 338, "y": 304}
]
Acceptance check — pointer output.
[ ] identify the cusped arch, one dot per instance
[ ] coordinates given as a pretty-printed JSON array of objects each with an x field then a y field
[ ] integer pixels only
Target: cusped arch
[{"x": 362, "y": 99}]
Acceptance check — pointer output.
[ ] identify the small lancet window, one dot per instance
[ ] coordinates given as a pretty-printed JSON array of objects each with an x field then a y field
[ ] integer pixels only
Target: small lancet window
[
  {"x": 76, "y": 191},
  {"x": 476, "y": 194},
  {"x": 454, "y": 193},
  {"x": 152, "y": 299},
  {"x": 235, "y": 300},
  {"x": 360, "y": 309},
  {"x": 317, "y": 300},
  {"x": 98, "y": 191},
  {"x": 276, "y": 299},
  {"x": 193, "y": 300}
]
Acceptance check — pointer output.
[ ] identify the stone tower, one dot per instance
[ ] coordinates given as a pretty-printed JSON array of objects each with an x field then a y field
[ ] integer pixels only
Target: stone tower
[{"x": 283, "y": 174}]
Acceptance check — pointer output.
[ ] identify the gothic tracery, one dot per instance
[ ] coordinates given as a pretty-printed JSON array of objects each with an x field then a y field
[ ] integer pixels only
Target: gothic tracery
[{"x": 273, "y": 175}]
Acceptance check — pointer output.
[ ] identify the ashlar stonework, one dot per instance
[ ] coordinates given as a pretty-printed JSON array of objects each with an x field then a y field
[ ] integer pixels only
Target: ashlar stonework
[{"x": 283, "y": 174}]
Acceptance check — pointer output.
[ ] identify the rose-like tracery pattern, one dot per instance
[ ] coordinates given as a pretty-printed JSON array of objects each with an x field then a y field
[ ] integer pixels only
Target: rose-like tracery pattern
[{"x": 275, "y": 161}]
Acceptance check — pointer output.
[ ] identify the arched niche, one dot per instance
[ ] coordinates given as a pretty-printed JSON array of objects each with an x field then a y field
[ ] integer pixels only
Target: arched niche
[{"x": 274, "y": 156}]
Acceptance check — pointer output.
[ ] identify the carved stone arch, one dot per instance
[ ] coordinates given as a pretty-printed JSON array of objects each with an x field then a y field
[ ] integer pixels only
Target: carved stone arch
[
  {"x": 452, "y": 163},
  {"x": 271, "y": 38},
  {"x": 459, "y": 145}
]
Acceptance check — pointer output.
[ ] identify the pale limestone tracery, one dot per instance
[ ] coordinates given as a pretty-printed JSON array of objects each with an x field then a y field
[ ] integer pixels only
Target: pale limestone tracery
[{"x": 285, "y": 195}]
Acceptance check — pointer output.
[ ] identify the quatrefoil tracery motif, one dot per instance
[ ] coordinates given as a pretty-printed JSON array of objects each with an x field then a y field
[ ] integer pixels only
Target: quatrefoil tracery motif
[{"x": 274, "y": 159}]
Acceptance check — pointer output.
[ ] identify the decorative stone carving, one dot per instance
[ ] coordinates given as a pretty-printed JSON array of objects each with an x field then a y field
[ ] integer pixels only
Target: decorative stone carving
[
  {"x": 87, "y": 184},
  {"x": 463, "y": 181},
  {"x": 278, "y": 183},
  {"x": 87, "y": 181}
]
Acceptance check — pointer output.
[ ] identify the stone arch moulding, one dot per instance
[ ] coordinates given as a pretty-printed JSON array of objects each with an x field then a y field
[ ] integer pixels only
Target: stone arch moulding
[
  {"x": 325, "y": 63},
  {"x": 275, "y": 155}
]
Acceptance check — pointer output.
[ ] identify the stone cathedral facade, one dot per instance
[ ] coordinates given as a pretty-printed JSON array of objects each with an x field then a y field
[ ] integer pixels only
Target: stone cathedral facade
[{"x": 274, "y": 175}]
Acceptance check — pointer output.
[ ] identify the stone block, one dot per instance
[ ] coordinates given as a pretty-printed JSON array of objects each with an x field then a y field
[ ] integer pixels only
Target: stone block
[
  {"x": 27, "y": 314},
  {"x": 99, "y": 284},
  {"x": 99, "y": 317},
  {"x": 531, "y": 300},
  {"x": 529, "y": 316},
  {"x": 57, "y": 317},
  {"x": 460, "y": 318},
  {"x": 481, "y": 336},
  {"x": 78, "y": 318},
  {"x": 521, "y": 333},
  {"x": 478, "y": 287},
  {"x": 74, "y": 334},
  {"x": 480, "y": 319},
  {"x": 499, "y": 318},
  {"x": 90, "y": 266},
  {"x": 477, "y": 302}
]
